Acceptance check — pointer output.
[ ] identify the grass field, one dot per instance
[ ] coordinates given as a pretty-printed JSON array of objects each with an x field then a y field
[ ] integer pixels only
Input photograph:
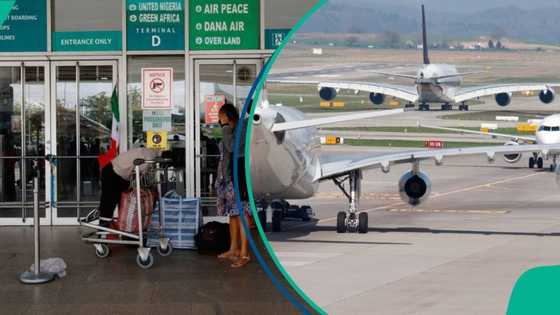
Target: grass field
[
  {"x": 491, "y": 115},
  {"x": 511, "y": 131},
  {"x": 410, "y": 143}
]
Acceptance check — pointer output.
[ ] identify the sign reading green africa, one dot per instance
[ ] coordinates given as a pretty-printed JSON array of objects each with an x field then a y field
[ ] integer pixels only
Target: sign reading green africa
[
  {"x": 87, "y": 41},
  {"x": 224, "y": 24},
  {"x": 155, "y": 25},
  {"x": 23, "y": 25}
]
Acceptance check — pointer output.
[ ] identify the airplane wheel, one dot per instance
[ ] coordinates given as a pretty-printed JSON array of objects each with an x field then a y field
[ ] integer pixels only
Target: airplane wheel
[
  {"x": 552, "y": 167},
  {"x": 305, "y": 213},
  {"x": 540, "y": 162},
  {"x": 341, "y": 222},
  {"x": 363, "y": 222},
  {"x": 276, "y": 220},
  {"x": 531, "y": 162}
]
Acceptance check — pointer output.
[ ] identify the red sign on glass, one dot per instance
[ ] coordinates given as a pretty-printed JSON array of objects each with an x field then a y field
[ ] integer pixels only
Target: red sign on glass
[{"x": 212, "y": 105}]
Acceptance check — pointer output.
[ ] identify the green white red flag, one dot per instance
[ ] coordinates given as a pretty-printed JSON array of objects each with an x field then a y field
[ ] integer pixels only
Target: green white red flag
[{"x": 112, "y": 152}]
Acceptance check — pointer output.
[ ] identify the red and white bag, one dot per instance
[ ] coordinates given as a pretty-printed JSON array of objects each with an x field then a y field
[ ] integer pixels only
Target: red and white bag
[{"x": 128, "y": 212}]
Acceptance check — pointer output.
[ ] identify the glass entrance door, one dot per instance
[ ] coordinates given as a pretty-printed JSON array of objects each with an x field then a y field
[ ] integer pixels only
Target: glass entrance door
[
  {"x": 81, "y": 98},
  {"x": 23, "y": 108},
  {"x": 216, "y": 82}
]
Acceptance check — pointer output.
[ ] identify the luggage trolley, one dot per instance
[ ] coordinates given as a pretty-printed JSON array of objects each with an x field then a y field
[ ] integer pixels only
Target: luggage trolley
[{"x": 102, "y": 236}]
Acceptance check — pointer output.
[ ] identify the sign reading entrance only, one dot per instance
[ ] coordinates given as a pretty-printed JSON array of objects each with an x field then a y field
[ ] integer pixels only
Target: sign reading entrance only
[{"x": 156, "y": 88}]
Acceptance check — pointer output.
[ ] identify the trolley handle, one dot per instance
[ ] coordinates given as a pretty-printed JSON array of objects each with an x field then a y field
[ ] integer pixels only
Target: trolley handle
[{"x": 154, "y": 161}]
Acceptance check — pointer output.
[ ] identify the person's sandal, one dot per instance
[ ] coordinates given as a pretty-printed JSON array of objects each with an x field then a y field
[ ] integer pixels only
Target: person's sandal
[
  {"x": 241, "y": 261},
  {"x": 228, "y": 255}
]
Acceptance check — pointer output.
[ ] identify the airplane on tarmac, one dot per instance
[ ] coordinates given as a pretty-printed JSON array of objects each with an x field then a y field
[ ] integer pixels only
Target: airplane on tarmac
[
  {"x": 434, "y": 83},
  {"x": 286, "y": 161},
  {"x": 548, "y": 132}
]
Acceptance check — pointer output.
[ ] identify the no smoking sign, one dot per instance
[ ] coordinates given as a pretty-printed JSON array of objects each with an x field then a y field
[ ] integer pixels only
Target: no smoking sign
[{"x": 156, "y": 88}]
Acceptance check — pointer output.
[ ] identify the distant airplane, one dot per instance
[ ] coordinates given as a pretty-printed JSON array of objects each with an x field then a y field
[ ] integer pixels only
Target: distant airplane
[
  {"x": 434, "y": 83},
  {"x": 286, "y": 162},
  {"x": 548, "y": 132}
]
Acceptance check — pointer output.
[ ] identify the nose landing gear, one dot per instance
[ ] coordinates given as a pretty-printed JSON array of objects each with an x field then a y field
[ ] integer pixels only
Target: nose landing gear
[{"x": 351, "y": 220}]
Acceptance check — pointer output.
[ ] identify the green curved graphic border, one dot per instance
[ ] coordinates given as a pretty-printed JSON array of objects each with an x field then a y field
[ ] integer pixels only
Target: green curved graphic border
[{"x": 262, "y": 234}]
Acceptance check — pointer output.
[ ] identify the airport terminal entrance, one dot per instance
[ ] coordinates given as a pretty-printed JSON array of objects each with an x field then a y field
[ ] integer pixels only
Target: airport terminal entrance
[{"x": 216, "y": 82}]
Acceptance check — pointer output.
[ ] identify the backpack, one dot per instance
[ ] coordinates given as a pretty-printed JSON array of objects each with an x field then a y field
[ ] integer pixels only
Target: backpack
[{"x": 213, "y": 238}]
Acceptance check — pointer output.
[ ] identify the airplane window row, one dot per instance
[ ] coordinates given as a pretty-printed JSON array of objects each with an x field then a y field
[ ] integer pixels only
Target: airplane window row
[{"x": 548, "y": 128}]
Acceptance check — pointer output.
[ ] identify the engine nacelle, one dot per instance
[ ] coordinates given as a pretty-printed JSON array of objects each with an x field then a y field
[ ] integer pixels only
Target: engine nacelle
[
  {"x": 377, "y": 98},
  {"x": 512, "y": 157},
  {"x": 414, "y": 188},
  {"x": 547, "y": 96},
  {"x": 327, "y": 93},
  {"x": 503, "y": 99}
]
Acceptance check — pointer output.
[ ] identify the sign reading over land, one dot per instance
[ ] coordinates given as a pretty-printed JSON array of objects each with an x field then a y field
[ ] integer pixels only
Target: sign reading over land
[
  {"x": 23, "y": 25},
  {"x": 155, "y": 25},
  {"x": 156, "y": 88},
  {"x": 224, "y": 24}
]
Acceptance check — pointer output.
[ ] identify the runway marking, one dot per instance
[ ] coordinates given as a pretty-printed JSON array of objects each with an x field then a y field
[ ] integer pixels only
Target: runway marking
[
  {"x": 436, "y": 195},
  {"x": 298, "y": 259},
  {"x": 491, "y": 211}
]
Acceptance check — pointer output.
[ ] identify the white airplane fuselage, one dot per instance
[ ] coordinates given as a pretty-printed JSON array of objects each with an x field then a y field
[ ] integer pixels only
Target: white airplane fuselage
[
  {"x": 548, "y": 131},
  {"x": 434, "y": 89}
]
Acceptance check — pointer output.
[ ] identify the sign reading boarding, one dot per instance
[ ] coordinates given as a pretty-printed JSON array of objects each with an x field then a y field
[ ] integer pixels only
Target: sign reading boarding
[
  {"x": 23, "y": 25},
  {"x": 155, "y": 25},
  {"x": 156, "y": 88},
  {"x": 224, "y": 24}
]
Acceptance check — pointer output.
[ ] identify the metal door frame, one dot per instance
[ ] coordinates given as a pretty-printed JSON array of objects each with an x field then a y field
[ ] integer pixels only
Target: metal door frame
[
  {"x": 197, "y": 62},
  {"x": 29, "y": 204},
  {"x": 55, "y": 220}
]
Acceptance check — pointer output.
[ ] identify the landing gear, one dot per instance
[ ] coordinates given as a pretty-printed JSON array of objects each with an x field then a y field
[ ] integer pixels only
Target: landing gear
[
  {"x": 553, "y": 165},
  {"x": 531, "y": 162},
  {"x": 540, "y": 162},
  {"x": 424, "y": 107},
  {"x": 351, "y": 220},
  {"x": 281, "y": 210},
  {"x": 464, "y": 107},
  {"x": 409, "y": 105},
  {"x": 446, "y": 106}
]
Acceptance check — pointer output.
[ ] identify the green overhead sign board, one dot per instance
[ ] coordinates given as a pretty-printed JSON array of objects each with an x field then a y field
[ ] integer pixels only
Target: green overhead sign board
[
  {"x": 224, "y": 24},
  {"x": 23, "y": 25},
  {"x": 87, "y": 41},
  {"x": 155, "y": 25},
  {"x": 274, "y": 37}
]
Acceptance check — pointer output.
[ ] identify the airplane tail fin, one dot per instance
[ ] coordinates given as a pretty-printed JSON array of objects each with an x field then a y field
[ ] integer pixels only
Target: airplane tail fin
[{"x": 424, "y": 38}]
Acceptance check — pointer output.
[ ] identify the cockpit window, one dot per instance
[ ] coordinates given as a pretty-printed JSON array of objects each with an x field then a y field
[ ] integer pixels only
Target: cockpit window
[
  {"x": 544, "y": 128},
  {"x": 556, "y": 128}
]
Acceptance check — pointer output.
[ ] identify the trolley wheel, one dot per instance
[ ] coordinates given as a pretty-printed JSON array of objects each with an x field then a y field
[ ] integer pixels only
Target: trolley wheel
[
  {"x": 341, "y": 222},
  {"x": 145, "y": 264},
  {"x": 103, "y": 252},
  {"x": 363, "y": 222},
  {"x": 165, "y": 252}
]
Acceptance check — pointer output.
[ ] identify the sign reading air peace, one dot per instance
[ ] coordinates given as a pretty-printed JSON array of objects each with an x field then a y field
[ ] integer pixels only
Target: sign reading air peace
[
  {"x": 224, "y": 24},
  {"x": 23, "y": 25},
  {"x": 155, "y": 25},
  {"x": 156, "y": 88}
]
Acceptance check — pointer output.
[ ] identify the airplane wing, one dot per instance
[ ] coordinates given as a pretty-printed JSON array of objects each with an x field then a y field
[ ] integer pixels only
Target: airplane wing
[
  {"x": 469, "y": 93},
  {"x": 493, "y": 134},
  {"x": 407, "y": 93},
  {"x": 384, "y": 161}
]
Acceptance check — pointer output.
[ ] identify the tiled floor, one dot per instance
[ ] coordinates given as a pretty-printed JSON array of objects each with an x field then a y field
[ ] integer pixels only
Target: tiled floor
[{"x": 183, "y": 283}]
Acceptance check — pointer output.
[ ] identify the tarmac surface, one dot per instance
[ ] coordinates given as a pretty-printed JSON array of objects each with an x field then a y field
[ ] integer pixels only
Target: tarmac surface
[{"x": 458, "y": 253}]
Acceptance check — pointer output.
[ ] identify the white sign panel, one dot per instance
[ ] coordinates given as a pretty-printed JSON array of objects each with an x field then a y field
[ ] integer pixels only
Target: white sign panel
[
  {"x": 156, "y": 88},
  {"x": 156, "y": 120}
]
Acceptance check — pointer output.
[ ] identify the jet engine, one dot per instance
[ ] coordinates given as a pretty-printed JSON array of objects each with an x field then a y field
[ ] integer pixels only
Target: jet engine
[
  {"x": 547, "y": 96},
  {"x": 377, "y": 98},
  {"x": 512, "y": 157},
  {"x": 503, "y": 99},
  {"x": 414, "y": 187},
  {"x": 327, "y": 93}
]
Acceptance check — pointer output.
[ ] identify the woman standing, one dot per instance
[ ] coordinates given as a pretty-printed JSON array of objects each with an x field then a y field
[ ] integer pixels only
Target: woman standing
[{"x": 226, "y": 202}]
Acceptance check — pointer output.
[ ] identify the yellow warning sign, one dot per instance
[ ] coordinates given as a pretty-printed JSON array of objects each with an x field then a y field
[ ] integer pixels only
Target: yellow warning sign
[
  {"x": 526, "y": 127},
  {"x": 337, "y": 104},
  {"x": 157, "y": 139}
]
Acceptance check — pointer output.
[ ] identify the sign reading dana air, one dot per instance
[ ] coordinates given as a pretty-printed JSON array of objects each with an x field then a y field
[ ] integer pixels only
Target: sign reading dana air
[
  {"x": 156, "y": 88},
  {"x": 212, "y": 105}
]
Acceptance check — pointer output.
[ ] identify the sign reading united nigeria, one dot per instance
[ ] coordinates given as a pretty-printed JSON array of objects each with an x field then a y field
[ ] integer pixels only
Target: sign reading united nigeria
[
  {"x": 155, "y": 25},
  {"x": 224, "y": 24},
  {"x": 21, "y": 21}
]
